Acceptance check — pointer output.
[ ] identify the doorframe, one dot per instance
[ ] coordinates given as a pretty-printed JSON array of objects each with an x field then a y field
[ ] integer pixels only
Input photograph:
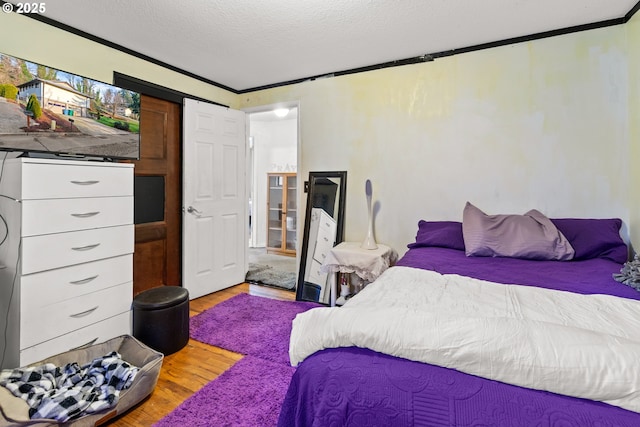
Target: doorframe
[
  {"x": 148, "y": 88},
  {"x": 251, "y": 183}
]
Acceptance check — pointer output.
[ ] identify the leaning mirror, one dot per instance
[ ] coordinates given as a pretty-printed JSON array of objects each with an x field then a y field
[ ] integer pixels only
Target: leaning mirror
[{"x": 323, "y": 229}]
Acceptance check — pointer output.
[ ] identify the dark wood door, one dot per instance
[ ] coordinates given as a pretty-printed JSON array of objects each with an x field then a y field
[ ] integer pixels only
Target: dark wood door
[{"x": 158, "y": 197}]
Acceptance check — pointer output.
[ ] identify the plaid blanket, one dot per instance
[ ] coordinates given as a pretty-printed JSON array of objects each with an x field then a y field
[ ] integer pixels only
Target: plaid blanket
[{"x": 68, "y": 392}]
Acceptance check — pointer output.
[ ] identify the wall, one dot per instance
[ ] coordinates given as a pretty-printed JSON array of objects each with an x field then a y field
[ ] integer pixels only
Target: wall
[
  {"x": 541, "y": 124},
  {"x": 633, "y": 39},
  {"x": 275, "y": 150},
  {"x": 34, "y": 41}
]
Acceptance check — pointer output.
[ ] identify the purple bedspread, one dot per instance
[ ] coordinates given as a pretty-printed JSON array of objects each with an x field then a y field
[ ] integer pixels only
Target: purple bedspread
[
  {"x": 591, "y": 276},
  {"x": 360, "y": 387}
]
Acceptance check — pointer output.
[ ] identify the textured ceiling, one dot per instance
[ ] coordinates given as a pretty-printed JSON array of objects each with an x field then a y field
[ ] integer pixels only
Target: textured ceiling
[{"x": 243, "y": 44}]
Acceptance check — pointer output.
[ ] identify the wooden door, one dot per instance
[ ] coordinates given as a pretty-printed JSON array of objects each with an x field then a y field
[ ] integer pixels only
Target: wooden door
[
  {"x": 158, "y": 196},
  {"x": 216, "y": 219}
]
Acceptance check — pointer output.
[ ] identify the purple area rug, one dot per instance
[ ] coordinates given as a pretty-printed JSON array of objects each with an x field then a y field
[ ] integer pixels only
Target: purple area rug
[
  {"x": 250, "y": 325},
  {"x": 249, "y": 394}
]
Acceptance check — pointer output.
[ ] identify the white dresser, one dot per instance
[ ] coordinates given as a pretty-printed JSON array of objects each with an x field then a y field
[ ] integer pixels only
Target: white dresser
[
  {"x": 322, "y": 237},
  {"x": 66, "y": 266}
]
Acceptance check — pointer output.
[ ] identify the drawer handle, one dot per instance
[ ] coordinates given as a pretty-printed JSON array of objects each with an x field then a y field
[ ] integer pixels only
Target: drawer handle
[
  {"x": 325, "y": 239},
  {"x": 83, "y": 281},
  {"x": 85, "y": 215},
  {"x": 85, "y": 344},
  {"x": 90, "y": 182},
  {"x": 86, "y": 248},
  {"x": 84, "y": 313}
]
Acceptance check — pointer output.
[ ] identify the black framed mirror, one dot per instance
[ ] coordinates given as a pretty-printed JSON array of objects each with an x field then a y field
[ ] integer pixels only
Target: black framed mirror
[{"x": 323, "y": 229}]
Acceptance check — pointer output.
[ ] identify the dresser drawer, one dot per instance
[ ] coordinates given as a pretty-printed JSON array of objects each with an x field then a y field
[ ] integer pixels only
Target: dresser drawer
[
  {"x": 92, "y": 334},
  {"x": 53, "y": 181},
  {"x": 327, "y": 223},
  {"x": 72, "y": 314},
  {"x": 315, "y": 275},
  {"x": 41, "y": 289},
  {"x": 59, "y": 215},
  {"x": 324, "y": 244},
  {"x": 51, "y": 251}
]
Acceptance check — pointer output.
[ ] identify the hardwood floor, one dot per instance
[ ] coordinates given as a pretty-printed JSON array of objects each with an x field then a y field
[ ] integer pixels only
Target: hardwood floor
[{"x": 185, "y": 372}]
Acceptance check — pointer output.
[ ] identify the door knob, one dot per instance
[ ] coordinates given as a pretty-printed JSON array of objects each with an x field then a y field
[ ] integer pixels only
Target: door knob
[{"x": 193, "y": 211}]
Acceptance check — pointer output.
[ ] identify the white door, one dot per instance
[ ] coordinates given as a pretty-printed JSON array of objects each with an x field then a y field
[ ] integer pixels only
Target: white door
[{"x": 215, "y": 224}]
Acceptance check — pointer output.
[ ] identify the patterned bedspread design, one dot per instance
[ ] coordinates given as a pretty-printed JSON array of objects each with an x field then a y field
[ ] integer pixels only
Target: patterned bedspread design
[{"x": 359, "y": 387}]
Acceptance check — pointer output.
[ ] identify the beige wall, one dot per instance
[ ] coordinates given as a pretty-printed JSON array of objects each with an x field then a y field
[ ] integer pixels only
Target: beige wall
[{"x": 541, "y": 124}]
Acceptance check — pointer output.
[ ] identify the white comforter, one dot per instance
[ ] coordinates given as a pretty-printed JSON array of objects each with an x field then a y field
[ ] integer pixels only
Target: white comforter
[{"x": 579, "y": 345}]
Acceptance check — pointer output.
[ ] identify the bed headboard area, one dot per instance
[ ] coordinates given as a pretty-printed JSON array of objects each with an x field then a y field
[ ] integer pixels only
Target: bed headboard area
[
  {"x": 596, "y": 251},
  {"x": 590, "y": 230},
  {"x": 590, "y": 238},
  {"x": 509, "y": 234}
]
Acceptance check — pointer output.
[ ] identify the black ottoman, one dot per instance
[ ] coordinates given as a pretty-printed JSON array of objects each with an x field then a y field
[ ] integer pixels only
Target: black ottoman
[{"x": 161, "y": 318}]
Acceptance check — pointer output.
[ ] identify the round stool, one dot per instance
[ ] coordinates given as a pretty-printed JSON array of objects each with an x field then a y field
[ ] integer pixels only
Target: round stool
[{"x": 161, "y": 318}]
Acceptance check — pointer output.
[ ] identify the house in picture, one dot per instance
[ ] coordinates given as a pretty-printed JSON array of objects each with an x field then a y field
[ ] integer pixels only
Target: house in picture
[{"x": 57, "y": 96}]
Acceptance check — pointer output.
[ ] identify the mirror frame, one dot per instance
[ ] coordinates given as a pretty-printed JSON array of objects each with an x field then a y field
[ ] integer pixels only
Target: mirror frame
[{"x": 342, "y": 194}]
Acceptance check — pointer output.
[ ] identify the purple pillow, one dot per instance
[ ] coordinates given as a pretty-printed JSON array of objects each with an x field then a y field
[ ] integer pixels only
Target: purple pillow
[
  {"x": 528, "y": 236},
  {"x": 442, "y": 234},
  {"x": 594, "y": 238}
]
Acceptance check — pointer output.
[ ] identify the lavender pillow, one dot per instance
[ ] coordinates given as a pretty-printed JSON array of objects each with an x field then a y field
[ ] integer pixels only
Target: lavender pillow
[
  {"x": 594, "y": 238},
  {"x": 528, "y": 236},
  {"x": 442, "y": 234}
]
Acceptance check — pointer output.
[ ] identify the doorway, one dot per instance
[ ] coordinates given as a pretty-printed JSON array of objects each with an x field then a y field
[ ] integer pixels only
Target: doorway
[{"x": 274, "y": 195}]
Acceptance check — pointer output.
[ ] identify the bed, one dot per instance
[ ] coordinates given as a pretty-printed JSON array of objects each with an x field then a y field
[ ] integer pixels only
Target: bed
[{"x": 546, "y": 310}]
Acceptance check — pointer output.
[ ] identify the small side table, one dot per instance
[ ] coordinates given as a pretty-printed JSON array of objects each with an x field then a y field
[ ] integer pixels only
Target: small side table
[{"x": 349, "y": 257}]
